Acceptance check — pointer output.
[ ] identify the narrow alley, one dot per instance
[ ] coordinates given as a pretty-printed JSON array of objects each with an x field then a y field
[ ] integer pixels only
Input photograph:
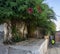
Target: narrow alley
[{"x": 54, "y": 49}]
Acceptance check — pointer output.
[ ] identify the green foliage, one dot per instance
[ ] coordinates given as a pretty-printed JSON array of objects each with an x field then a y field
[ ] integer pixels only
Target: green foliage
[
  {"x": 16, "y": 38},
  {"x": 18, "y": 8},
  {"x": 32, "y": 12}
]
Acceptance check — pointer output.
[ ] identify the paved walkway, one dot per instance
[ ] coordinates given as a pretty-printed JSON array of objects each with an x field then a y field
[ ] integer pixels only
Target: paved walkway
[{"x": 54, "y": 49}]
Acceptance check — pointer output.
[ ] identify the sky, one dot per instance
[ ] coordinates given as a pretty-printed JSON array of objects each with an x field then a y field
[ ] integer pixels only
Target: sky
[{"x": 55, "y": 5}]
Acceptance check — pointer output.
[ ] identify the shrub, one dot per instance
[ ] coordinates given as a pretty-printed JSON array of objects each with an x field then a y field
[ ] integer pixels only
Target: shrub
[{"x": 16, "y": 38}]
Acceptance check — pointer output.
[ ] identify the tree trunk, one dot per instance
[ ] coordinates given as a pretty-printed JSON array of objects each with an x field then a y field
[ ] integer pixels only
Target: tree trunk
[
  {"x": 23, "y": 32},
  {"x": 7, "y": 31},
  {"x": 28, "y": 30}
]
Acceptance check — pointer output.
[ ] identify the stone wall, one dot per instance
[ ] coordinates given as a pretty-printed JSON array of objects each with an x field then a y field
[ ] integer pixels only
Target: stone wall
[
  {"x": 57, "y": 36},
  {"x": 44, "y": 47},
  {"x": 36, "y": 49}
]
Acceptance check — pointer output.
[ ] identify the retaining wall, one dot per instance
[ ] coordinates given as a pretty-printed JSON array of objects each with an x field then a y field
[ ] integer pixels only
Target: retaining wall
[{"x": 42, "y": 49}]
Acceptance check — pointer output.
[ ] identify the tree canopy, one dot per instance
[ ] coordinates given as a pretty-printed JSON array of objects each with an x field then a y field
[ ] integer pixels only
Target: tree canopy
[{"x": 32, "y": 12}]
